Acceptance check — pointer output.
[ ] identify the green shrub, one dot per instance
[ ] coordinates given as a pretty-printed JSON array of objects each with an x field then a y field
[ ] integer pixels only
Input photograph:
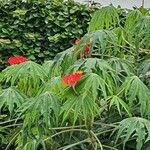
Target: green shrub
[{"x": 39, "y": 30}]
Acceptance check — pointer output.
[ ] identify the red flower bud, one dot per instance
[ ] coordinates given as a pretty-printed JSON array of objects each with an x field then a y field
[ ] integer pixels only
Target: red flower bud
[{"x": 86, "y": 50}]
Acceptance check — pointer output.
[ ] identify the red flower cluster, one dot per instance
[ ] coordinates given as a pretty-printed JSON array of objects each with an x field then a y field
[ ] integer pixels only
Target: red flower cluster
[
  {"x": 86, "y": 50},
  {"x": 17, "y": 60},
  {"x": 72, "y": 79}
]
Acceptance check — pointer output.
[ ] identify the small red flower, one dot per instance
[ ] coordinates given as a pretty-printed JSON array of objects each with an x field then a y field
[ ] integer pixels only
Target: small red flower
[
  {"x": 86, "y": 50},
  {"x": 72, "y": 79},
  {"x": 17, "y": 60}
]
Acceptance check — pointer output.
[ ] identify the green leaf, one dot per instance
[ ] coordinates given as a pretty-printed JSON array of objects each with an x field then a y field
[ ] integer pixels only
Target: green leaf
[
  {"x": 136, "y": 127},
  {"x": 12, "y": 99},
  {"x": 28, "y": 76},
  {"x": 42, "y": 108},
  {"x": 131, "y": 21},
  {"x": 143, "y": 32},
  {"x": 105, "y": 18},
  {"x": 118, "y": 102},
  {"x": 140, "y": 95},
  {"x": 79, "y": 107},
  {"x": 54, "y": 85},
  {"x": 122, "y": 66},
  {"x": 101, "y": 43}
]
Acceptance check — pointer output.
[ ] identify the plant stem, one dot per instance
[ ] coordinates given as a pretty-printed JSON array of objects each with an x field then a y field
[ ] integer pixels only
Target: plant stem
[
  {"x": 70, "y": 127},
  {"x": 111, "y": 148},
  {"x": 94, "y": 135},
  {"x": 64, "y": 131},
  {"x": 104, "y": 124},
  {"x": 12, "y": 125},
  {"x": 8, "y": 121},
  {"x": 89, "y": 124},
  {"x": 83, "y": 141},
  {"x": 75, "y": 90},
  {"x": 143, "y": 2},
  {"x": 87, "y": 141},
  {"x": 11, "y": 141},
  {"x": 72, "y": 145}
]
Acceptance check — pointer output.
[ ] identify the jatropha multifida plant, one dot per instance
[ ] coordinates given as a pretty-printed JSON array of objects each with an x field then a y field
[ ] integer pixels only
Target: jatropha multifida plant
[{"x": 94, "y": 95}]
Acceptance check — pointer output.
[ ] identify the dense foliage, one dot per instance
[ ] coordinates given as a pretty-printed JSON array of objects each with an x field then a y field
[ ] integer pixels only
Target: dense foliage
[
  {"x": 99, "y": 101},
  {"x": 40, "y": 29}
]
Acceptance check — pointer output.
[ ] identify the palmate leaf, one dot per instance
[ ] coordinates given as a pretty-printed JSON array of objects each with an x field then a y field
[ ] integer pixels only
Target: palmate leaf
[
  {"x": 130, "y": 33},
  {"x": 52, "y": 68},
  {"x": 101, "y": 42},
  {"x": 105, "y": 18},
  {"x": 63, "y": 61},
  {"x": 80, "y": 107},
  {"x": 84, "y": 103},
  {"x": 122, "y": 66},
  {"x": 92, "y": 84},
  {"x": 47, "y": 65},
  {"x": 144, "y": 71},
  {"x": 26, "y": 142},
  {"x": 134, "y": 127},
  {"x": 144, "y": 68},
  {"x": 27, "y": 76},
  {"x": 120, "y": 33},
  {"x": 100, "y": 67},
  {"x": 42, "y": 109},
  {"x": 131, "y": 22},
  {"x": 54, "y": 85},
  {"x": 136, "y": 92},
  {"x": 93, "y": 65},
  {"x": 119, "y": 103},
  {"x": 12, "y": 99},
  {"x": 105, "y": 71},
  {"x": 143, "y": 32}
]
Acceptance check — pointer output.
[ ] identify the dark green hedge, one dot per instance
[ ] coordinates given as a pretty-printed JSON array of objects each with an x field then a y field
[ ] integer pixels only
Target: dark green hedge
[{"x": 40, "y": 29}]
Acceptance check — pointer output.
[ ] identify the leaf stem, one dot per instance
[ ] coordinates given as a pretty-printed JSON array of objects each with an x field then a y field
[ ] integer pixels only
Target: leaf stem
[
  {"x": 87, "y": 141},
  {"x": 94, "y": 135},
  {"x": 74, "y": 144},
  {"x": 8, "y": 121},
  {"x": 70, "y": 127},
  {"x": 70, "y": 130},
  {"x": 11, "y": 141},
  {"x": 104, "y": 124},
  {"x": 12, "y": 125},
  {"x": 75, "y": 90}
]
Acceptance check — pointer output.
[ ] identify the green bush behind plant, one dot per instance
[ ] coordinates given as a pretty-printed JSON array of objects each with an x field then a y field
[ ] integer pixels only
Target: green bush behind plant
[{"x": 40, "y": 29}]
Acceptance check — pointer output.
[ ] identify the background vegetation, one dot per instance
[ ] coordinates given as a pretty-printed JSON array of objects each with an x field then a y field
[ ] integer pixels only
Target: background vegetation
[{"x": 40, "y": 29}]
